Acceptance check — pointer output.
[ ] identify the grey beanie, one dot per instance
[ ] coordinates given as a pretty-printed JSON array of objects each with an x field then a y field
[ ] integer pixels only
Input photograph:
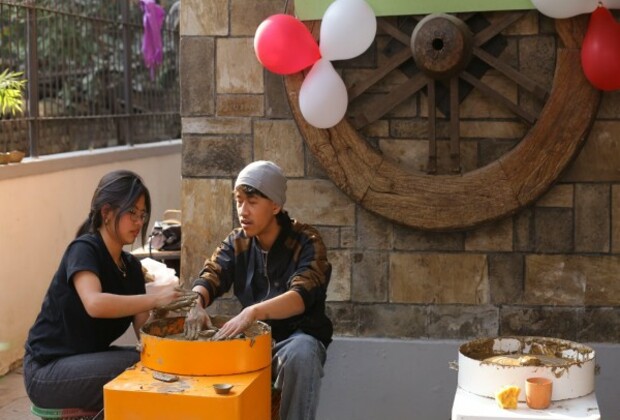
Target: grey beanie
[{"x": 266, "y": 177}]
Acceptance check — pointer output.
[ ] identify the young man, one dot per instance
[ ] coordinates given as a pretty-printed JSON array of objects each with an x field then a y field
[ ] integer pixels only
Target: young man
[{"x": 279, "y": 271}]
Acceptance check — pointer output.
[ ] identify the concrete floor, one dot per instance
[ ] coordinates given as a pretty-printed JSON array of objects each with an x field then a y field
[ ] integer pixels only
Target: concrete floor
[
  {"x": 14, "y": 403},
  {"x": 425, "y": 387}
]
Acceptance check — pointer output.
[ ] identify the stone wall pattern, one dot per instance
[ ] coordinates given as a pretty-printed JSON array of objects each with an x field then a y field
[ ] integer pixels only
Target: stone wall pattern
[{"x": 552, "y": 269}]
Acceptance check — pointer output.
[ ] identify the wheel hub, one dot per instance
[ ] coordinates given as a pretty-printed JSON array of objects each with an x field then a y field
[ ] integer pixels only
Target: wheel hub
[{"x": 442, "y": 45}]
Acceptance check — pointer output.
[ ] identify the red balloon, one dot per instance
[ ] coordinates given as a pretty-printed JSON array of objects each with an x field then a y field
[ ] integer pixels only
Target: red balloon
[
  {"x": 600, "y": 52},
  {"x": 284, "y": 45}
]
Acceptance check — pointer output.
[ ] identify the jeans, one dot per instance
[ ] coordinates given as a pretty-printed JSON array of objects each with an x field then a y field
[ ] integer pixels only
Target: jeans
[
  {"x": 297, "y": 369},
  {"x": 76, "y": 381}
]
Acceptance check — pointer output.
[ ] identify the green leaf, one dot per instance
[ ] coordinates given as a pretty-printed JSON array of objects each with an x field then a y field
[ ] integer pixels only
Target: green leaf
[{"x": 11, "y": 88}]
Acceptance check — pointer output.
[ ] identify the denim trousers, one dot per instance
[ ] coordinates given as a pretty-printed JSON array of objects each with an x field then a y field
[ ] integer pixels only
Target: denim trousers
[
  {"x": 76, "y": 381},
  {"x": 297, "y": 369}
]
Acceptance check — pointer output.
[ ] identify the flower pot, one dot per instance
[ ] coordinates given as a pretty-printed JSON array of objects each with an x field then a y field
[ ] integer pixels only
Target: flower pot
[{"x": 16, "y": 156}]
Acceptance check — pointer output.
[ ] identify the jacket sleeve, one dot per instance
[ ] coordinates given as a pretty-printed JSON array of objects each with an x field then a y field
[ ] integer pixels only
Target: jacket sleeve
[
  {"x": 313, "y": 272},
  {"x": 218, "y": 272}
]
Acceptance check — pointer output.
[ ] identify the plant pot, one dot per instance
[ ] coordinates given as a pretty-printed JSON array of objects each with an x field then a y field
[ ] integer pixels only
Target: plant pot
[{"x": 16, "y": 156}]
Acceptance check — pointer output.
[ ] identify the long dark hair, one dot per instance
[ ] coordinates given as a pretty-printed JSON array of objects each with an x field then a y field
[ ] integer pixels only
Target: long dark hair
[{"x": 120, "y": 190}]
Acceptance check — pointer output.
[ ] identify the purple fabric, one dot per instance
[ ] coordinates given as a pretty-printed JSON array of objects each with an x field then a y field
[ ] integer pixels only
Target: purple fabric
[{"x": 153, "y": 20}]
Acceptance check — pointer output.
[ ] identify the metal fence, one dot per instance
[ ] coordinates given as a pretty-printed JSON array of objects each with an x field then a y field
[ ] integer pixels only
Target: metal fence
[{"x": 87, "y": 84}]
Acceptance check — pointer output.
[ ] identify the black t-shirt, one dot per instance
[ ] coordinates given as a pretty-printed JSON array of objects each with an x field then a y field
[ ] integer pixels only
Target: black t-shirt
[{"x": 63, "y": 327}]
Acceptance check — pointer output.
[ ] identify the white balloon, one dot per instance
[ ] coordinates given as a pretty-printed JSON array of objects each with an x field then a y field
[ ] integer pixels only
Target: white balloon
[
  {"x": 611, "y": 4},
  {"x": 562, "y": 9},
  {"x": 323, "y": 96},
  {"x": 347, "y": 29}
]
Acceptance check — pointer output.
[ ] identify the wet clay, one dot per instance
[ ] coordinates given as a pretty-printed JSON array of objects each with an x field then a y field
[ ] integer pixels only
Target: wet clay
[
  {"x": 172, "y": 328},
  {"x": 526, "y": 360}
]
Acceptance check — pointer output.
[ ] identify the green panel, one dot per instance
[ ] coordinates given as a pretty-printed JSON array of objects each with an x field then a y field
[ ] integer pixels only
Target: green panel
[{"x": 314, "y": 9}]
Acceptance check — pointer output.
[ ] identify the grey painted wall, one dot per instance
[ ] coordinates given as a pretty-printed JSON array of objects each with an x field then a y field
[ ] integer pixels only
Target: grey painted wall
[{"x": 382, "y": 379}]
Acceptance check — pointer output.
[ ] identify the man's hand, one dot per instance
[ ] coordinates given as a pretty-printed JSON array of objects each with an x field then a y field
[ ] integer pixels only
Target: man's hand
[
  {"x": 197, "y": 319},
  {"x": 237, "y": 325}
]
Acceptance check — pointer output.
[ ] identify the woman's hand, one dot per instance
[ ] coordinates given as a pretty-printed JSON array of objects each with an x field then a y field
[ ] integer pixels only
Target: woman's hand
[
  {"x": 165, "y": 294},
  {"x": 237, "y": 325}
]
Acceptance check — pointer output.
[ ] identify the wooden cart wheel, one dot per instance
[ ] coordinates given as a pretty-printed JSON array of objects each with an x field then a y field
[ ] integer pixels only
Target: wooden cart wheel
[{"x": 441, "y": 51}]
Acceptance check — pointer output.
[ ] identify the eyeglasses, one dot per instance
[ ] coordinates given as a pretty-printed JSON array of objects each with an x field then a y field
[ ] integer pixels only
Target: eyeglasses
[{"x": 135, "y": 217}]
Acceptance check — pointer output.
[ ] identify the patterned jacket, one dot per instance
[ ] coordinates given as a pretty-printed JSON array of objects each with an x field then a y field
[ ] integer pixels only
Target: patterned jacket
[{"x": 296, "y": 261}]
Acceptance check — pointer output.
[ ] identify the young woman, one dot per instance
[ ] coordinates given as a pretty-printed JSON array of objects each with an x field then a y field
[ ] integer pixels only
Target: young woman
[{"x": 96, "y": 293}]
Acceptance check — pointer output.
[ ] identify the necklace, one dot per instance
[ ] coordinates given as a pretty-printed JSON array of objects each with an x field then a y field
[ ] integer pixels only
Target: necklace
[
  {"x": 122, "y": 268},
  {"x": 265, "y": 255}
]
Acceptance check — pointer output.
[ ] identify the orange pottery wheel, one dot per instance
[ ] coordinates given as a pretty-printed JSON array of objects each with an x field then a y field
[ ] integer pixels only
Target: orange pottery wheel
[{"x": 164, "y": 349}]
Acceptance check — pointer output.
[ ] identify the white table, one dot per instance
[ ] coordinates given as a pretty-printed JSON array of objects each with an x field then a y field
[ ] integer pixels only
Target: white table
[
  {"x": 144, "y": 252},
  {"x": 468, "y": 406},
  {"x": 172, "y": 259}
]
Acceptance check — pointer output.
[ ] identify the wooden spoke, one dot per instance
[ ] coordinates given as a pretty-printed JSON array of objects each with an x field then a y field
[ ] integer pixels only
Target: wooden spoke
[
  {"x": 466, "y": 16},
  {"x": 455, "y": 148},
  {"x": 496, "y": 96},
  {"x": 356, "y": 89},
  {"x": 378, "y": 108},
  {"x": 432, "y": 126},
  {"x": 394, "y": 32},
  {"x": 489, "y": 32},
  {"x": 516, "y": 76}
]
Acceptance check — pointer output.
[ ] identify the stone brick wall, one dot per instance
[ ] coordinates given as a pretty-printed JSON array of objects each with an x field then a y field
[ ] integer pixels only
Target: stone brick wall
[{"x": 553, "y": 269}]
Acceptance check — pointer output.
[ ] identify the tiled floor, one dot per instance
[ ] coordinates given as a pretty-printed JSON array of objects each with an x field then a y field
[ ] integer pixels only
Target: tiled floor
[{"x": 14, "y": 404}]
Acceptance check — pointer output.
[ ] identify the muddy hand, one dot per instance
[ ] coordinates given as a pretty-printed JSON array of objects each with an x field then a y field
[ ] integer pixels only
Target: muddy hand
[
  {"x": 186, "y": 300},
  {"x": 197, "y": 319},
  {"x": 237, "y": 325}
]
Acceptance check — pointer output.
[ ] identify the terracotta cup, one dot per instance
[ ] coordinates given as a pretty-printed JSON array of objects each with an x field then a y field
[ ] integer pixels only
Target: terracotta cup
[{"x": 538, "y": 392}]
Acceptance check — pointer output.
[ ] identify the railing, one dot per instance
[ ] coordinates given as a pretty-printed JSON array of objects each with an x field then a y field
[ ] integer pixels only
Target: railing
[{"x": 87, "y": 85}]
